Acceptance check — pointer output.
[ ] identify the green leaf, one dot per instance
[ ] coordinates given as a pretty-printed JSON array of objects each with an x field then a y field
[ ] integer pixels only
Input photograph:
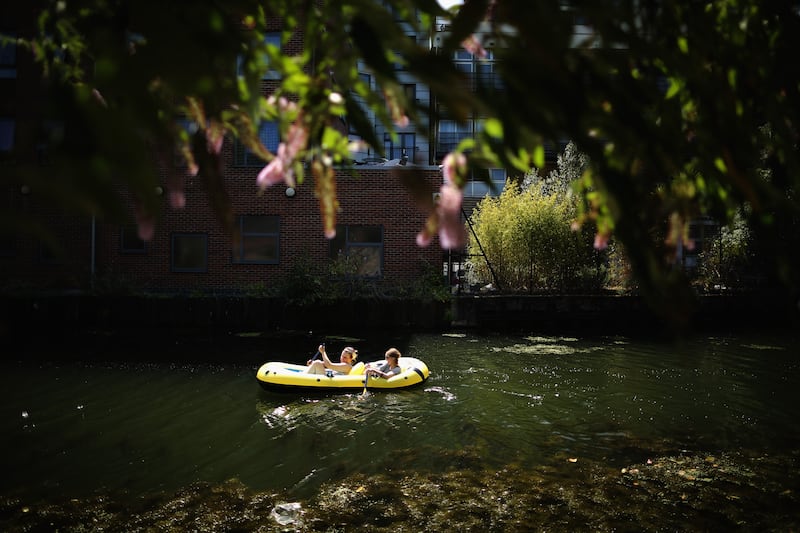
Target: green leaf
[
  {"x": 674, "y": 88},
  {"x": 494, "y": 128},
  {"x": 330, "y": 138},
  {"x": 538, "y": 156}
]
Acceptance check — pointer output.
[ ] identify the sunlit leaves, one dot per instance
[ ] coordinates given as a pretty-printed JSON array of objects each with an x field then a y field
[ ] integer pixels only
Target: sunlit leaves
[
  {"x": 325, "y": 191},
  {"x": 494, "y": 128},
  {"x": 538, "y": 156},
  {"x": 523, "y": 240},
  {"x": 675, "y": 87},
  {"x": 683, "y": 44}
]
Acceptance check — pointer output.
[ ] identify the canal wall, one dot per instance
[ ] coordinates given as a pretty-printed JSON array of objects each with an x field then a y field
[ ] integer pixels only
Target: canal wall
[
  {"x": 625, "y": 313},
  {"x": 493, "y": 312}
]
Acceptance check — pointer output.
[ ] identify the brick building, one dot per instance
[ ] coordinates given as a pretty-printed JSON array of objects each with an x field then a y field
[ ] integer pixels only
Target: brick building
[{"x": 190, "y": 252}]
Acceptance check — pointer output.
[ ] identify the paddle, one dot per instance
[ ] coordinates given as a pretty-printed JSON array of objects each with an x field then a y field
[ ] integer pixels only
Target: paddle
[
  {"x": 318, "y": 355},
  {"x": 366, "y": 378}
]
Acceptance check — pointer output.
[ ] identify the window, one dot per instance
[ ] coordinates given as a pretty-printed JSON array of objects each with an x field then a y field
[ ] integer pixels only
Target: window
[
  {"x": 129, "y": 241},
  {"x": 189, "y": 252},
  {"x": 269, "y": 136},
  {"x": 410, "y": 90},
  {"x": 702, "y": 232},
  {"x": 7, "y": 126},
  {"x": 8, "y": 57},
  {"x": 362, "y": 247},
  {"x": 405, "y": 146},
  {"x": 477, "y": 188},
  {"x": 486, "y": 76},
  {"x": 259, "y": 241},
  {"x": 450, "y": 134},
  {"x": 366, "y": 78},
  {"x": 189, "y": 127},
  {"x": 364, "y": 117},
  {"x": 272, "y": 39}
]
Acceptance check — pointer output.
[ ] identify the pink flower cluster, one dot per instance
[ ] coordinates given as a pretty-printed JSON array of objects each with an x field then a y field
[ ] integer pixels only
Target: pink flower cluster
[
  {"x": 447, "y": 215},
  {"x": 280, "y": 168},
  {"x": 472, "y": 45}
]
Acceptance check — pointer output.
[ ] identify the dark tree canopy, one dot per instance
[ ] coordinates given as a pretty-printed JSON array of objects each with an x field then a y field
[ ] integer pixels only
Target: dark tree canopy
[{"x": 684, "y": 108}]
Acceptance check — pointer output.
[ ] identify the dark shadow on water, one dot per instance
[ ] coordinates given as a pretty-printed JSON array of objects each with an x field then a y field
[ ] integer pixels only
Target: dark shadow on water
[{"x": 196, "y": 345}]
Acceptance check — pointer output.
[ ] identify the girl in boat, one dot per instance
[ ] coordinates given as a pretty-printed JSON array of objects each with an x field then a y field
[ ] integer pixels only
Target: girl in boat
[
  {"x": 345, "y": 364},
  {"x": 390, "y": 368}
]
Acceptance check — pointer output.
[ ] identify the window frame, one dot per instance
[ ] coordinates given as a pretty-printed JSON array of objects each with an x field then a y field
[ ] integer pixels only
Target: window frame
[
  {"x": 238, "y": 256},
  {"x": 273, "y": 38},
  {"x": 132, "y": 234},
  {"x": 172, "y": 257},
  {"x": 404, "y": 138},
  {"x": 475, "y": 188},
  {"x": 243, "y": 157},
  {"x": 343, "y": 237}
]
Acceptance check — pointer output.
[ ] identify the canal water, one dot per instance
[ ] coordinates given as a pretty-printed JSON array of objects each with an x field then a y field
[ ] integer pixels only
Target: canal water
[{"x": 511, "y": 432}]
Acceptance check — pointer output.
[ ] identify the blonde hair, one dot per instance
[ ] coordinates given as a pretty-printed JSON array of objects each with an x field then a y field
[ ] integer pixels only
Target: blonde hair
[{"x": 352, "y": 351}]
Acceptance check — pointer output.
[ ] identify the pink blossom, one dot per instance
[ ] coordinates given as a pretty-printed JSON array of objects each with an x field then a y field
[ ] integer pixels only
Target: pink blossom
[
  {"x": 296, "y": 139},
  {"x": 99, "y": 97},
  {"x": 177, "y": 199},
  {"x": 600, "y": 241},
  {"x": 423, "y": 239},
  {"x": 271, "y": 174},
  {"x": 214, "y": 138},
  {"x": 146, "y": 224},
  {"x": 451, "y": 230},
  {"x": 280, "y": 168},
  {"x": 446, "y": 219},
  {"x": 472, "y": 45},
  {"x": 425, "y": 236},
  {"x": 399, "y": 117},
  {"x": 453, "y": 165}
]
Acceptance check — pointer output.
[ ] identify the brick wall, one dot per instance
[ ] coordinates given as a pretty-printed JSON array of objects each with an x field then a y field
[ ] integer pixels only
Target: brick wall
[
  {"x": 372, "y": 196},
  {"x": 368, "y": 196}
]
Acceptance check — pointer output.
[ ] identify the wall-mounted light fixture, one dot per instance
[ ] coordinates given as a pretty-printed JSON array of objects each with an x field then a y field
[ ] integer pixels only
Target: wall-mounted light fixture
[{"x": 290, "y": 192}]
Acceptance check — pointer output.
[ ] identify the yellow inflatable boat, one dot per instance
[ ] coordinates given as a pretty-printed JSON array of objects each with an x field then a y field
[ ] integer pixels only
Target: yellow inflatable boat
[{"x": 276, "y": 376}]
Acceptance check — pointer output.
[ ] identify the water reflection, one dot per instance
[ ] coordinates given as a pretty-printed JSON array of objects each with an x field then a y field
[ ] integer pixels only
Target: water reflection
[{"x": 528, "y": 403}]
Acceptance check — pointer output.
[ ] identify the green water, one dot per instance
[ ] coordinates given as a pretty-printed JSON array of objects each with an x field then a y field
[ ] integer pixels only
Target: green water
[{"x": 73, "y": 430}]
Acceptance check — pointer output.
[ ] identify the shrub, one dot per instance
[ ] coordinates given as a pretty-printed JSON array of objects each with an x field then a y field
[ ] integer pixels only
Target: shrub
[{"x": 528, "y": 239}]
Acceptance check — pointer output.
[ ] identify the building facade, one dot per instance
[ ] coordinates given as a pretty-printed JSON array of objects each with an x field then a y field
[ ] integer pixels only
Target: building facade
[{"x": 190, "y": 251}]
